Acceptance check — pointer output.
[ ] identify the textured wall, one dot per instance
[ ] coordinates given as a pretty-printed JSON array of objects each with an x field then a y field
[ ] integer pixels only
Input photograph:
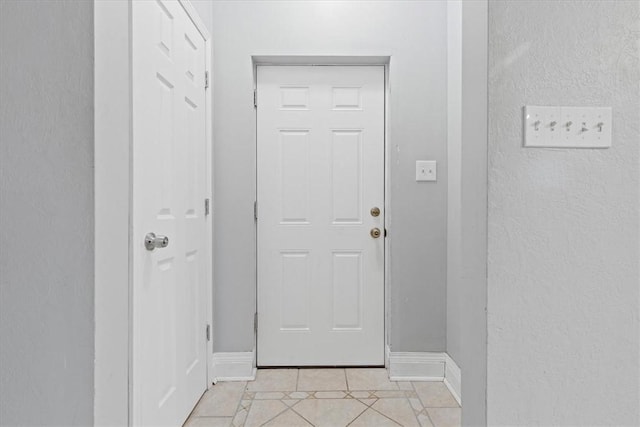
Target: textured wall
[
  {"x": 563, "y": 224},
  {"x": 46, "y": 215},
  {"x": 414, "y": 33}
]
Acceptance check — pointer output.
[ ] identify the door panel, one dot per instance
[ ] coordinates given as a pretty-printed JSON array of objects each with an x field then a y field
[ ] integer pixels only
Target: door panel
[
  {"x": 169, "y": 348},
  {"x": 320, "y": 170}
]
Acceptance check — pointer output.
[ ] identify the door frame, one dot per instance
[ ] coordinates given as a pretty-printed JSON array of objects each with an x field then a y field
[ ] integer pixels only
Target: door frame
[
  {"x": 338, "y": 60},
  {"x": 113, "y": 208}
]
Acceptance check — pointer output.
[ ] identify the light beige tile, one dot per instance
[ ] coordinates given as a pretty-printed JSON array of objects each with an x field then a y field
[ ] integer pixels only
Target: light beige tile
[
  {"x": 405, "y": 385},
  {"x": 368, "y": 402},
  {"x": 289, "y": 402},
  {"x": 371, "y": 418},
  {"x": 239, "y": 419},
  {"x": 321, "y": 379},
  {"x": 424, "y": 420},
  {"x": 208, "y": 422},
  {"x": 361, "y": 394},
  {"x": 434, "y": 394},
  {"x": 269, "y": 395},
  {"x": 298, "y": 395},
  {"x": 445, "y": 417},
  {"x": 330, "y": 394},
  {"x": 288, "y": 419},
  {"x": 262, "y": 411},
  {"x": 398, "y": 410},
  {"x": 416, "y": 404},
  {"x": 390, "y": 394},
  {"x": 221, "y": 400},
  {"x": 274, "y": 380},
  {"x": 329, "y": 412},
  {"x": 369, "y": 379}
]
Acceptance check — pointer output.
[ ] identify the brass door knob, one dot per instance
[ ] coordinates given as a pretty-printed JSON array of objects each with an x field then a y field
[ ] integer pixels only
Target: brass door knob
[
  {"x": 375, "y": 211},
  {"x": 375, "y": 233}
]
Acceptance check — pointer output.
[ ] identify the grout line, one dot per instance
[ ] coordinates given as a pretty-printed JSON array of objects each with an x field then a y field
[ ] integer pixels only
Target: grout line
[
  {"x": 272, "y": 418},
  {"x": 429, "y": 417},
  {"x": 346, "y": 379},
  {"x": 297, "y": 379},
  {"x": 424, "y": 408},
  {"x": 410, "y": 405},
  {"x": 359, "y": 415},
  {"x": 246, "y": 386},
  {"x": 421, "y": 404},
  {"x": 384, "y": 415},
  {"x": 299, "y": 414}
]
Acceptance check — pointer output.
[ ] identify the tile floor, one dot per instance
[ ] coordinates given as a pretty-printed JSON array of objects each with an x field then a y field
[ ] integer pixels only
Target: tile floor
[{"x": 326, "y": 397}]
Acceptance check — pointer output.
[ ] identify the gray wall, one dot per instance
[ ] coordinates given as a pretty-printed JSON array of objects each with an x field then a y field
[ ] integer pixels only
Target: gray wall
[
  {"x": 455, "y": 293},
  {"x": 563, "y": 320},
  {"x": 205, "y": 11},
  {"x": 414, "y": 34},
  {"x": 467, "y": 203},
  {"x": 46, "y": 219}
]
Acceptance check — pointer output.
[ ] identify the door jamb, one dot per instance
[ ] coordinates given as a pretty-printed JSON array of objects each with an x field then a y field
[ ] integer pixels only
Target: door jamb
[
  {"x": 113, "y": 203},
  {"x": 304, "y": 60}
]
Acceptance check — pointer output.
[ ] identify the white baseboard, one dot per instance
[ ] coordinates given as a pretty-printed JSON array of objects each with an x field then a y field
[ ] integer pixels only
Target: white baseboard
[
  {"x": 415, "y": 366},
  {"x": 453, "y": 378},
  {"x": 234, "y": 366},
  {"x": 428, "y": 366}
]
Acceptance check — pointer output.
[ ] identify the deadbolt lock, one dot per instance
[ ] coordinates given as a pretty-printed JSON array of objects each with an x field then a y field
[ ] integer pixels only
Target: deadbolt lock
[
  {"x": 375, "y": 211},
  {"x": 375, "y": 233}
]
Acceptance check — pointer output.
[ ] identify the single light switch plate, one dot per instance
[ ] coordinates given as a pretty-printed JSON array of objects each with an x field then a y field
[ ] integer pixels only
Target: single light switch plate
[
  {"x": 567, "y": 127},
  {"x": 426, "y": 170}
]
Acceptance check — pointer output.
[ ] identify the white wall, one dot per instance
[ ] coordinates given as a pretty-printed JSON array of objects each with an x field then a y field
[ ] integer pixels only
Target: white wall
[
  {"x": 414, "y": 34},
  {"x": 563, "y": 321},
  {"x": 467, "y": 202},
  {"x": 46, "y": 213}
]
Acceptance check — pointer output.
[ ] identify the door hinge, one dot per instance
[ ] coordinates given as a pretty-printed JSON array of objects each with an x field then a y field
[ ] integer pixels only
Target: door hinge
[
  {"x": 206, "y": 79},
  {"x": 255, "y": 322},
  {"x": 207, "y": 208},
  {"x": 255, "y": 98},
  {"x": 208, "y": 332},
  {"x": 255, "y": 211}
]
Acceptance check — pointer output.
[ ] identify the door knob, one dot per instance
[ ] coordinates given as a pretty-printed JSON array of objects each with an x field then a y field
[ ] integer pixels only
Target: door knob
[
  {"x": 151, "y": 241},
  {"x": 375, "y": 233},
  {"x": 375, "y": 211}
]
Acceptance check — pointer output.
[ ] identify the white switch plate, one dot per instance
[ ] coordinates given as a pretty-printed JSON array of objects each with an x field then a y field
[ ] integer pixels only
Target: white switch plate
[
  {"x": 426, "y": 170},
  {"x": 567, "y": 127}
]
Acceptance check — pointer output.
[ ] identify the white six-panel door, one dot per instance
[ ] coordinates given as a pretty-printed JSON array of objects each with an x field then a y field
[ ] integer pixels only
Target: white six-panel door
[
  {"x": 320, "y": 171},
  {"x": 169, "y": 305}
]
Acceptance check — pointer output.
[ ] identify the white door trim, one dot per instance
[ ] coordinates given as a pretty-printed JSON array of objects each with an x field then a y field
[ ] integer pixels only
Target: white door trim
[
  {"x": 327, "y": 60},
  {"x": 112, "y": 160}
]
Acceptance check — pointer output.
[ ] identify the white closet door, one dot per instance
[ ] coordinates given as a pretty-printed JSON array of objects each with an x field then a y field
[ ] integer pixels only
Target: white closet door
[{"x": 169, "y": 305}]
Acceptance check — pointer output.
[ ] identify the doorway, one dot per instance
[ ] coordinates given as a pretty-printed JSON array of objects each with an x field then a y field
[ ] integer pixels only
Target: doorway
[{"x": 320, "y": 215}]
